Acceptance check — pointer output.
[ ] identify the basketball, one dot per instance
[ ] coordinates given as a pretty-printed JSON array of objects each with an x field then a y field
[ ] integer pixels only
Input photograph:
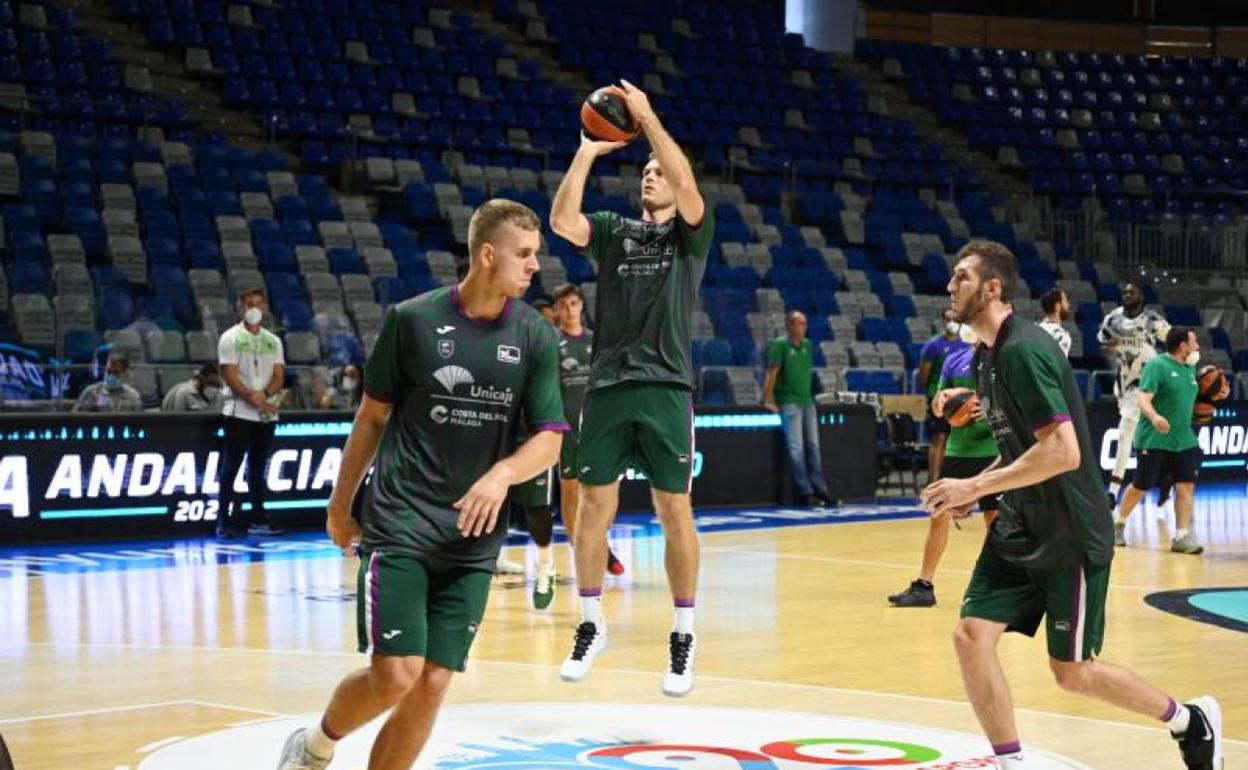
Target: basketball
[
  {"x": 1212, "y": 383},
  {"x": 960, "y": 407},
  {"x": 605, "y": 116},
  {"x": 1202, "y": 412}
]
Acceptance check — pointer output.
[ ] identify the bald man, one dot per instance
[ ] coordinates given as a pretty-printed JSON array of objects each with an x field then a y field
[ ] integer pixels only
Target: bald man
[{"x": 787, "y": 390}]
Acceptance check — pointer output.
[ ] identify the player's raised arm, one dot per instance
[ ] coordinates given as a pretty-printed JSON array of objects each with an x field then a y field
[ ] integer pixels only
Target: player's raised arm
[
  {"x": 672, "y": 160},
  {"x": 566, "y": 217}
]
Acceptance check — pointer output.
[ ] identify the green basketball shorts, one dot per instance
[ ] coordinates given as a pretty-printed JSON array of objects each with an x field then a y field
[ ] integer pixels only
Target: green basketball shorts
[
  {"x": 409, "y": 607},
  {"x": 645, "y": 426},
  {"x": 535, "y": 492},
  {"x": 1070, "y": 600}
]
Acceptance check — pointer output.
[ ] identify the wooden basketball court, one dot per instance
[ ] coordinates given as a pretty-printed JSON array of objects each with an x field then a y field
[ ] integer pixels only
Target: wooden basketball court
[{"x": 108, "y": 667}]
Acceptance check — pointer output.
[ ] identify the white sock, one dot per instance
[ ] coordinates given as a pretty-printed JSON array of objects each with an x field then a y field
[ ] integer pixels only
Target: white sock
[
  {"x": 683, "y": 624},
  {"x": 1179, "y": 722},
  {"x": 546, "y": 557},
  {"x": 591, "y": 609},
  {"x": 1179, "y": 534},
  {"x": 317, "y": 742},
  {"x": 1011, "y": 761}
]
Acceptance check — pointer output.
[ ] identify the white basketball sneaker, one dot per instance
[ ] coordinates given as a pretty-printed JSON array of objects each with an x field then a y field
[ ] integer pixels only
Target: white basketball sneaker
[
  {"x": 505, "y": 566},
  {"x": 590, "y": 642},
  {"x": 678, "y": 680},
  {"x": 295, "y": 754}
]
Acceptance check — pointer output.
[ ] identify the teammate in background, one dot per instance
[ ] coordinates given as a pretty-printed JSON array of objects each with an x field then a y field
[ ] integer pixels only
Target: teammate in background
[
  {"x": 576, "y": 344},
  {"x": 1166, "y": 442},
  {"x": 1048, "y": 551},
  {"x": 534, "y": 497},
  {"x": 931, "y": 363},
  {"x": 444, "y": 388},
  {"x": 1130, "y": 333},
  {"x": 639, "y": 406},
  {"x": 971, "y": 449},
  {"x": 1056, "y": 310}
]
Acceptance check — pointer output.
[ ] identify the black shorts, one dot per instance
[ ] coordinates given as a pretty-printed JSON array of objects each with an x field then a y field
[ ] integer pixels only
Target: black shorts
[
  {"x": 1154, "y": 465},
  {"x": 936, "y": 426},
  {"x": 965, "y": 468}
]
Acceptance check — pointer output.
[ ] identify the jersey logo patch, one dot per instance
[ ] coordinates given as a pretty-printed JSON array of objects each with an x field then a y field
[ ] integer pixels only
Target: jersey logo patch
[
  {"x": 446, "y": 348},
  {"x": 439, "y": 414},
  {"x": 509, "y": 354},
  {"x": 450, "y": 376},
  {"x": 445, "y": 329}
]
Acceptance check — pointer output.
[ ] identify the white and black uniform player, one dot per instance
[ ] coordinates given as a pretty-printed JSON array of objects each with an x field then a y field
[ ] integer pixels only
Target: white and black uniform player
[
  {"x": 1056, "y": 310},
  {"x": 1130, "y": 334}
]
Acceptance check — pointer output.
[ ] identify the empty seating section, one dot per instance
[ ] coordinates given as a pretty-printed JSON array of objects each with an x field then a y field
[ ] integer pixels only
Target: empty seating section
[
  {"x": 125, "y": 224},
  {"x": 1146, "y": 135}
]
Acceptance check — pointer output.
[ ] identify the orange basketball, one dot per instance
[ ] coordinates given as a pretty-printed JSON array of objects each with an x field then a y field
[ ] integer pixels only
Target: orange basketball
[
  {"x": 960, "y": 407},
  {"x": 1202, "y": 413},
  {"x": 1213, "y": 383},
  {"x": 605, "y": 116}
]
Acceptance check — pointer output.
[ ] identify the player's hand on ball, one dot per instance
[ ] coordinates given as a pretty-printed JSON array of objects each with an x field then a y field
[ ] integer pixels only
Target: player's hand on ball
[
  {"x": 599, "y": 148},
  {"x": 1162, "y": 425},
  {"x": 478, "y": 510},
  {"x": 948, "y": 496},
  {"x": 344, "y": 530},
  {"x": 637, "y": 101}
]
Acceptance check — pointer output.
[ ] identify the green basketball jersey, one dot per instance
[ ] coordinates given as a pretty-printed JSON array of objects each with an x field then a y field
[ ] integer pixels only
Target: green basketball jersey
[
  {"x": 794, "y": 365},
  {"x": 458, "y": 386},
  {"x": 574, "y": 358},
  {"x": 1026, "y": 383},
  {"x": 1174, "y": 390},
  {"x": 648, "y": 279},
  {"x": 974, "y": 440}
]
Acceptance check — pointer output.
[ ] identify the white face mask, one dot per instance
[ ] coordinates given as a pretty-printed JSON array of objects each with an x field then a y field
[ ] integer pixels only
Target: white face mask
[
  {"x": 348, "y": 384},
  {"x": 211, "y": 393},
  {"x": 253, "y": 316},
  {"x": 1193, "y": 358}
]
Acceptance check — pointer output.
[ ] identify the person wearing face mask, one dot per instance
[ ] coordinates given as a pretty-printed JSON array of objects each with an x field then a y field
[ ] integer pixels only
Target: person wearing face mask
[
  {"x": 111, "y": 394},
  {"x": 931, "y": 364},
  {"x": 345, "y": 392},
  {"x": 1166, "y": 442},
  {"x": 254, "y": 370},
  {"x": 201, "y": 393},
  {"x": 1056, "y": 310},
  {"x": 1130, "y": 335}
]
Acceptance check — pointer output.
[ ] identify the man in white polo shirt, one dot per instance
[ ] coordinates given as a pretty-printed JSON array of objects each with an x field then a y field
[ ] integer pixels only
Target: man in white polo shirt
[{"x": 254, "y": 371}]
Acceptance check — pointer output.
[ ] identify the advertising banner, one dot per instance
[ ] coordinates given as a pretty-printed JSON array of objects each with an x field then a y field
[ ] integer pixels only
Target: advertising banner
[{"x": 70, "y": 477}]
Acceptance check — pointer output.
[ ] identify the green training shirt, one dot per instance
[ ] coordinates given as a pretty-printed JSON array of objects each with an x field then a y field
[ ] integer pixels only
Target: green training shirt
[
  {"x": 974, "y": 440},
  {"x": 1174, "y": 390},
  {"x": 1025, "y": 383},
  {"x": 795, "y": 364},
  {"x": 648, "y": 279},
  {"x": 458, "y": 386},
  {"x": 574, "y": 357}
]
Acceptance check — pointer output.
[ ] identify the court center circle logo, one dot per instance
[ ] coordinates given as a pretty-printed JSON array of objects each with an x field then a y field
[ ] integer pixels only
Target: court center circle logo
[{"x": 593, "y": 737}]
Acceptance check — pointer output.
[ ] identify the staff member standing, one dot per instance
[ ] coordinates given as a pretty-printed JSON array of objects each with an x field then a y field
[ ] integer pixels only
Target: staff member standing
[
  {"x": 1166, "y": 442},
  {"x": 787, "y": 390},
  {"x": 254, "y": 370}
]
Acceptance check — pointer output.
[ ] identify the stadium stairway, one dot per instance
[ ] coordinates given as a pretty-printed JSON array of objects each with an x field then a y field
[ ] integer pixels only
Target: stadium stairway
[{"x": 168, "y": 76}]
